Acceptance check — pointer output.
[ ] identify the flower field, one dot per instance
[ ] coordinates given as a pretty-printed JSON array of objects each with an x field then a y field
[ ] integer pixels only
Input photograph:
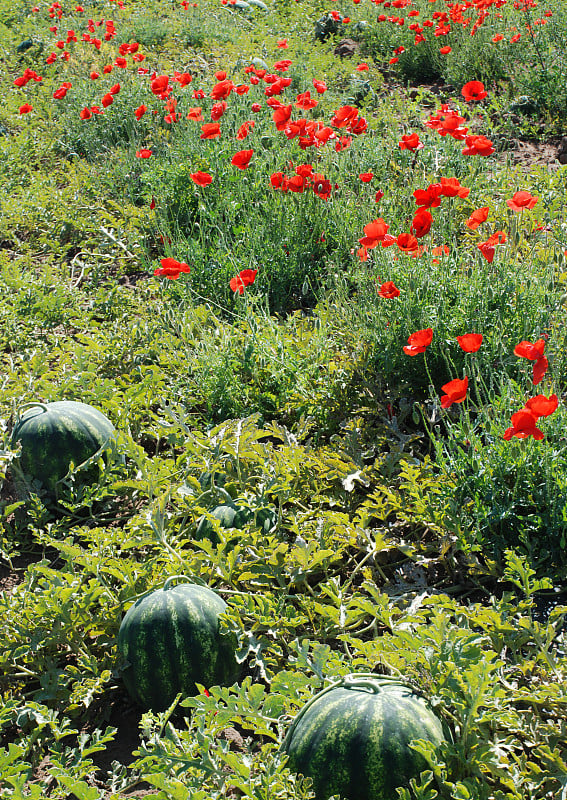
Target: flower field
[{"x": 295, "y": 257}]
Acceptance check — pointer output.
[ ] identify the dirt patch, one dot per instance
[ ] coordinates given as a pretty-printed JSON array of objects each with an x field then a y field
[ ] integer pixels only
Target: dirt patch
[
  {"x": 529, "y": 154},
  {"x": 13, "y": 574},
  {"x": 347, "y": 48},
  {"x": 130, "y": 281}
]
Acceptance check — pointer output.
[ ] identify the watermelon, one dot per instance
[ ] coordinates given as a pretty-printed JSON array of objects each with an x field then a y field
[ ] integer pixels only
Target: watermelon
[
  {"x": 232, "y": 516},
  {"x": 353, "y": 738},
  {"x": 169, "y": 641},
  {"x": 52, "y": 435},
  {"x": 228, "y": 515}
]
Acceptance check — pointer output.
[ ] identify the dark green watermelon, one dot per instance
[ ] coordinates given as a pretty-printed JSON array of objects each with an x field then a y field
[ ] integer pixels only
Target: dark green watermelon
[
  {"x": 170, "y": 641},
  {"x": 52, "y": 435},
  {"x": 228, "y": 515},
  {"x": 353, "y": 738}
]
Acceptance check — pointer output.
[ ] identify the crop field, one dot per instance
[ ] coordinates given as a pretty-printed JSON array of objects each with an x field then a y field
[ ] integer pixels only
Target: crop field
[{"x": 283, "y": 304}]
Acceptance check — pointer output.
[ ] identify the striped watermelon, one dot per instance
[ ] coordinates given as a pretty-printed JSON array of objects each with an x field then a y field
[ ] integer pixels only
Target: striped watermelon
[
  {"x": 352, "y": 738},
  {"x": 229, "y": 516},
  {"x": 170, "y": 640},
  {"x": 53, "y": 435}
]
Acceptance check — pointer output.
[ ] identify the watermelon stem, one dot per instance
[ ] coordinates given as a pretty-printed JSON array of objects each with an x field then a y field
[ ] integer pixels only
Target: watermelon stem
[
  {"x": 365, "y": 681},
  {"x": 32, "y": 404},
  {"x": 172, "y": 578}
]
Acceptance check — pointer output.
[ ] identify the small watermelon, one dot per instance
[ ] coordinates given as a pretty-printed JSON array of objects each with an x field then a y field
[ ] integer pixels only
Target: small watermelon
[
  {"x": 353, "y": 738},
  {"x": 228, "y": 515},
  {"x": 53, "y": 435},
  {"x": 170, "y": 641}
]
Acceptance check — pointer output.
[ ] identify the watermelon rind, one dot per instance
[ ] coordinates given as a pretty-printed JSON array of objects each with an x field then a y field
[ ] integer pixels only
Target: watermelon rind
[
  {"x": 169, "y": 641},
  {"x": 52, "y": 435},
  {"x": 352, "y": 739}
]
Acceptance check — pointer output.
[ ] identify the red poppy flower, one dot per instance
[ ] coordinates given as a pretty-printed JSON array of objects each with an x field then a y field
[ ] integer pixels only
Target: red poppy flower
[
  {"x": 195, "y": 114},
  {"x": 283, "y": 65},
  {"x": 407, "y": 243},
  {"x": 421, "y": 223},
  {"x": 281, "y": 116},
  {"x": 26, "y": 108},
  {"x": 159, "y": 85},
  {"x": 107, "y": 100},
  {"x": 277, "y": 87},
  {"x": 244, "y": 130},
  {"x": 418, "y": 342},
  {"x": 322, "y": 187},
  {"x": 445, "y": 50},
  {"x": 430, "y": 197},
  {"x": 410, "y": 141},
  {"x": 542, "y": 406},
  {"x": 201, "y": 178},
  {"x": 255, "y": 107},
  {"x": 320, "y": 86},
  {"x": 278, "y": 180},
  {"x": 488, "y": 249},
  {"x": 477, "y": 218},
  {"x": 540, "y": 368},
  {"x": 305, "y": 101},
  {"x": 282, "y": 43},
  {"x": 85, "y": 113},
  {"x": 343, "y": 143},
  {"x": 244, "y": 278},
  {"x": 389, "y": 290},
  {"x": 343, "y": 116},
  {"x": 218, "y": 110},
  {"x": 521, "y": 200},
  {"x": 60, "y": 93},
  {"x": 221, "y": 90},
  {"x": 473, "y": 91},
  {"x": 531, "y": 351},
  {"x": 478, "y": 146},
  {"x": 182, "y": 78},
  {"x": 210, "y": 130},
  {"x": 362, "y": 67},
  {"x": 455, "y": 392},
  {"x": 534, "y": 352},
  {"x": 470, "y": 342},
  {"x": 366, "y": 177},
  {"x": 451, "y": 187},
  {"x": 374, "y": 232},
  {"x": 439, "y": 250},
  {"x": 171, "y": 268},
  {"x": 143, "y": 153},
  {"x": 242, "y": 159},
  {"x": 523, "y": 425},
  {"x": 296, "y": 183}
]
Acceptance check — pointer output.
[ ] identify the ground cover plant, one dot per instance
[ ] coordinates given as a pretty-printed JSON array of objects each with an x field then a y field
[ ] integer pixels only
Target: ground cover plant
[{"x": 293, "y": 252}]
